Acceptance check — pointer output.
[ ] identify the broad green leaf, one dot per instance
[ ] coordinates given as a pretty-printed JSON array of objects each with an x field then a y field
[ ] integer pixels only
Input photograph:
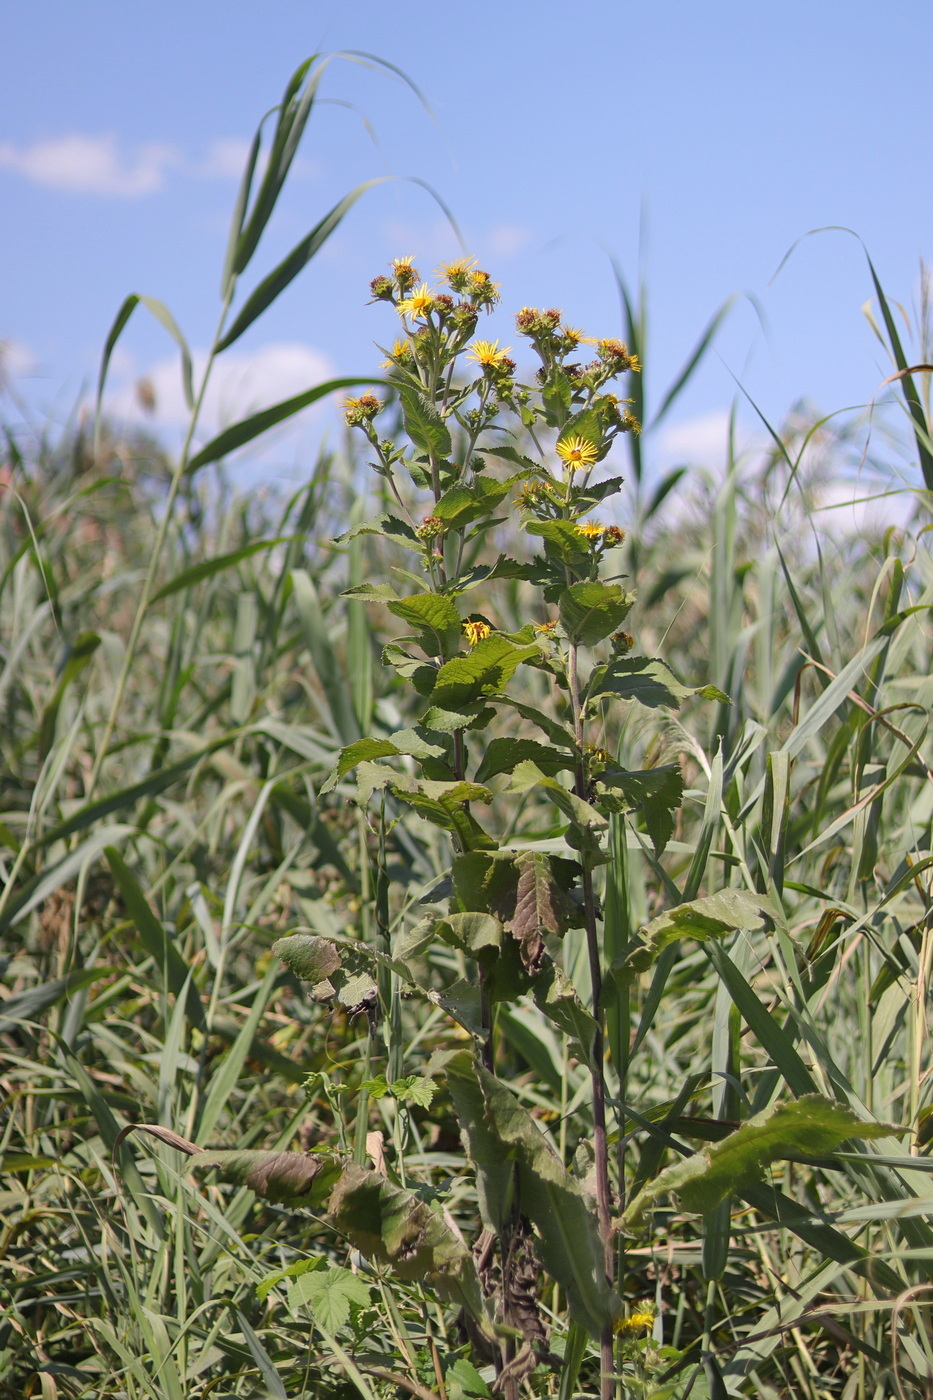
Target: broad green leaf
[
  {"x": 465, "y": 1374},
  {"x": 714, "y": 916},
  {"x": 658, "y": 792},
  {"x": 556, "y": 996},
  {"x": 424, "y": 425},
  {"x": 249, "y": 428},
  {"x": 371, "y": 593},
  {"x": 463, "y": 504},
  {"x": 389, "y": 526},
  {"x": 348, "y": 972},
  {"x": 435, "y": 617},
  {"x": 206, "y": 568},
  {"x": 586, "y": 424},
  {"x": 590, "y": 611},
  {"x": 300, "y": 1266},
  {"x": 278, "y": 279},
  {"x": 647, "y": 680},
  {"x": 811, "y": 1126},
  {"x": 475, "y": 932},
  {"x": 527, "y": 775},
  {"x": 503, "y": 1138},
  {"x": 503, "y": 755},
  {"x": 486, "y": 670},
  {"x": 328, "y": 1293},
  {"x": 404, "y": 741},
  {"x": 563, "y": 541}
]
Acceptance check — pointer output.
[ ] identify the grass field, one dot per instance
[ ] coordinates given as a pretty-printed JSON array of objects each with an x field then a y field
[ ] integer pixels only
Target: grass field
[{"x": 180, "y": 674}]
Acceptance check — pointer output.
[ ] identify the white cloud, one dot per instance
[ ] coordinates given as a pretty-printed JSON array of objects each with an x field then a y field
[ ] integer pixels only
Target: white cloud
[
  {"x": 91, "y": 165},
  {"x": 700, "y": 442},
  {"x": 225, "y": 159},
  {"x": 505, "y": 240},
  {"x": 16, "y": 361},
  {"x": 240, "y": 385}
]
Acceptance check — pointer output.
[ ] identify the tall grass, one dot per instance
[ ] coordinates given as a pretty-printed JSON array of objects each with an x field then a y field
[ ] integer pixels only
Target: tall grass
[{"x": 177, "y": 680}]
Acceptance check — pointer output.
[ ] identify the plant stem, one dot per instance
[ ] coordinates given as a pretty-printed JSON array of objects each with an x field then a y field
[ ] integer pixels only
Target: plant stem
[{"x": 598, "y": 1079}]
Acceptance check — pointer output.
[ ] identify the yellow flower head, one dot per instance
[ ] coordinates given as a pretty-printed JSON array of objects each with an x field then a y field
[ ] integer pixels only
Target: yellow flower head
[
  {"x": 545, "y": 628},
  {"x": 418, "y": 304},
  {"x": 361, "y": 410},
  {"x": 406, "y": 274},
  {"x": 488, "y": 354},
  {"x": 476, "y": 632},
  {"x": 591, "y": 530},
  {"x": 457, "y": 273},
  {"x": 483, "y": 291},
  {"x": 398, "y": 353},
  {"x": 635, "y": 1322},
  {"x": 573, "y": 337},
  {"x": 577, "y": 454}
]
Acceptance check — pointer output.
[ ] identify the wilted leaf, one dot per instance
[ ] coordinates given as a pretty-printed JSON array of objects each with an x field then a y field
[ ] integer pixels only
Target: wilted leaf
[
  {"x": 811, "y": 1126},
  {"x": 713, "y": 916},
  {"x": 505, "y": 1144},
  {"x": 278, "y": 1176}
]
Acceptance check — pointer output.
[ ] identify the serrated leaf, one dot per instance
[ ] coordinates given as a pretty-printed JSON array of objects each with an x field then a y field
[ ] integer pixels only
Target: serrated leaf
[
  {"x": 590, "y": 611},
  {"x": 811, "y": 1126},
  {"x": 461, "y": 505},
  {"x": 424, "y": 424},
  {"x": 713, "y": 916},
  {"x": 435, "y": 617},
  {"x": 649, "y": 681},
  {"x": 563, "y": 541},
  {"x": 300, "y": 1266},
  {"x": 504, "y": 755},
  {"x": 329, "y": 1294},
  {"x": 485, "y": 671},
  {"x": 658, "y": 792},
  {"x": 371, "y": 593},
  {"x": 389, "y": 526},
  {"x": 581, "y": 813},
  {"x": 465, "y": 1374},
  {"x": 540, "y": 907},
  {"x": 404, "y": 741},
  {"x": 344, "y": 974}
]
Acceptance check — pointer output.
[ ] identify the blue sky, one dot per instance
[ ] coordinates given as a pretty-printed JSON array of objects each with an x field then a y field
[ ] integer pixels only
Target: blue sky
[{"x": 691, "y": 142}]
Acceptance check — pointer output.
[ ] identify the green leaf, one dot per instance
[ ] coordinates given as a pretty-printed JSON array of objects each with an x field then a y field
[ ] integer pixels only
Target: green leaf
[
  {"x": 241, "y": 433},
  {"x": 503, "y": 1139},
  {"x": 590, "y": 611},
  {"x": 169, "y": 963},
  {"x": 581, "y": 813},
  {"x": 423, "y": 424},
  {"x": 486, "y": 670},
  {"x": 465, "y": 1374},
  {"x": 329, "y": 1293},
  {"x": 300, "y": 1266},
  {"x": 299, "y": 257},
  {"x": 556, "y": 996},
  {"x": 463, "y": 504},
  {"x": 657, "y": 791},
  {"x": 647, "y": 680},
  {"x": 371, "y": 593},
  {"x": 811, "y": 1126},
  {"x": 404, "y": 741},
  {"x": 435, "y": 617},
  {"x": 563, "y": 541},
  {"x": 206, "y": 568},
  {"x": 503, "y": 756},
  {"x": 714, "y": 916},
  {"x": 391, "y": 527}
]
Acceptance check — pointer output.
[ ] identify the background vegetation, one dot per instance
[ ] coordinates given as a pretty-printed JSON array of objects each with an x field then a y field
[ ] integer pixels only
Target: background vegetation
[{"x": 179, "y": 674}]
